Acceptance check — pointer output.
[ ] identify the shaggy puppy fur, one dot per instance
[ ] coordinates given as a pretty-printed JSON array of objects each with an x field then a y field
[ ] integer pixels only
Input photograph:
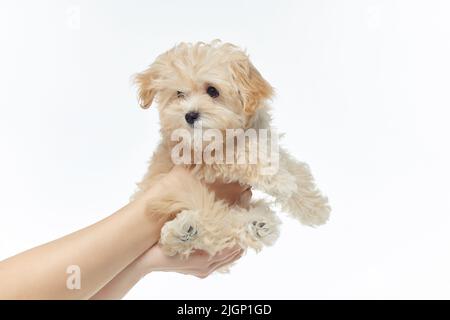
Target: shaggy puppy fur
[{"x": 217, "y": 84}]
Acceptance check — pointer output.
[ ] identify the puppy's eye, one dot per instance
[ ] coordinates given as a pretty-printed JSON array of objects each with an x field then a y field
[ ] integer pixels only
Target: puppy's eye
[
  {"x": 212, "y": 92},
  {"x": 180, "y": 94}
]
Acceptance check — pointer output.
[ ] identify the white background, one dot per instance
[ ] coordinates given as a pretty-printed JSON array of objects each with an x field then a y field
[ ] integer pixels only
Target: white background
[{"x": 362, "y": 94}]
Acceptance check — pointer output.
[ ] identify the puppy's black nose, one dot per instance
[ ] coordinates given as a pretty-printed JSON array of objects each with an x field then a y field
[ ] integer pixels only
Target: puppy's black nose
[{"x": 191, "y": 117}]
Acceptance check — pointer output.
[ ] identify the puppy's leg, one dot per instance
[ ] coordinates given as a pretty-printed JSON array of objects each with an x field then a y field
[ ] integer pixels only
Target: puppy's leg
[
  {"x": 181, "y": 235},
  {"x": 211, "y": 229},
  {"x": 250, "y": 228},
  {"x": 294, "y": 188},
  {"x": 260, "y": 226},
  {"x": 202, "y": 222},
  {"x": 218, "y": 227}
]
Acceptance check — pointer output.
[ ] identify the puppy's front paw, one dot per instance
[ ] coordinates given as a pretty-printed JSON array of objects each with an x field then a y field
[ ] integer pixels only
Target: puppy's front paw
[
  {"x": 280, "y": 185},
  {"x": 178, "y": 236}
]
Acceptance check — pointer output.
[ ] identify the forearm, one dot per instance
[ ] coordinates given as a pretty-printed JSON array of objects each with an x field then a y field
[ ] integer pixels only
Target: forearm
[
  {"x": 119, "y": 286},
  {"x": 101, "y": 251}
]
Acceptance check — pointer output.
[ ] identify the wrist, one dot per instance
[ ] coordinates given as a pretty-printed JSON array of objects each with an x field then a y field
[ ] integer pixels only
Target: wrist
[
  {"x": 150, "y": 202},
  {"x": 146, "y": 263},
  {"x": 141, "y": 269}
]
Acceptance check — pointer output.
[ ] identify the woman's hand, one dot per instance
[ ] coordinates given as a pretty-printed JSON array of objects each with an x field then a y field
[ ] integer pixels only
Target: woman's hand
[
  {"x": 233, "y": 193},
  {"x": 198, "y": 264}
]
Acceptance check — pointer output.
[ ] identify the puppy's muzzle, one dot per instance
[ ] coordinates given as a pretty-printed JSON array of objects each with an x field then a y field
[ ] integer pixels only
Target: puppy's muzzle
[{"x": 191, "y": 117}]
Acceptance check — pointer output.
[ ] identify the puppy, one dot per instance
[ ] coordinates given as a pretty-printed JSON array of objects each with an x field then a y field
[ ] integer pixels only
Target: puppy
[{"x": 214, "y": 86}]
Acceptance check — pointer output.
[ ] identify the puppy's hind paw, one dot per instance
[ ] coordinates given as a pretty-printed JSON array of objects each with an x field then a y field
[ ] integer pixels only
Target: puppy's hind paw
[
  {"x": 262, "y": 225},
  {"x": 264, "y": 231},
  {"x": 178, "y": 236},
  {"x": 189, "y": 233}
]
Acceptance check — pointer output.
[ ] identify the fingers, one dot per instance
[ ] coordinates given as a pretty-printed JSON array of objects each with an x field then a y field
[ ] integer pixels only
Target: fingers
[
  {"x": 245, "y": 198},
  {"x": 210, "y": 264},
  {"x": 227, "y": 261},
  {"x": 224, "y": 254},
  {"x": 229, "y": 192},
  {"x": 218, "y": 264},
  {"x": 201, "y": 258}
]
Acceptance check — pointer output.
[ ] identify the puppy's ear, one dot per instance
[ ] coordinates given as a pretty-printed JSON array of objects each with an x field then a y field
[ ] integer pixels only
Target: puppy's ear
[
  {"x": 252, "y": 86},
  {"x": 145, "y": 82}
]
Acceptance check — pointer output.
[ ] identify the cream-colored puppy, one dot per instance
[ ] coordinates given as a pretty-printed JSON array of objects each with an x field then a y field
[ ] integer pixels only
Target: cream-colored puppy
[{"x": 215, "y": 87}]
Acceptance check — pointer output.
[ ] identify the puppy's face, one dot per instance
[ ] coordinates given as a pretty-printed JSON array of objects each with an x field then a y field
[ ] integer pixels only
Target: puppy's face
[{"x": 212, "y": 84}]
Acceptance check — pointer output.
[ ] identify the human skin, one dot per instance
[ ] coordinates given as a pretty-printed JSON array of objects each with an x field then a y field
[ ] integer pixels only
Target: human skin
[
  {"x": 112, "y": 254},
  {"x": 198, "y": 264}
]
